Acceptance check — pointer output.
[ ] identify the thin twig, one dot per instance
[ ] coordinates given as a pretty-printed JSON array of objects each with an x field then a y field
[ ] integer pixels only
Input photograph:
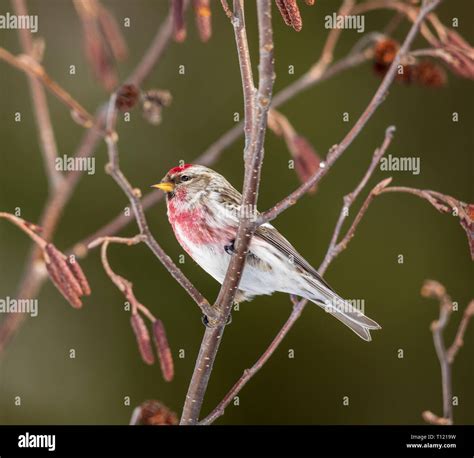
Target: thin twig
[
  {"x": 27, "y": 227},
  {"x": 245, "y": 65},
  {"x": 435, "y": 290},
  {"x": 327, "y": 54},
  {"x": 32, "y": 68},
  {"x": 459, "y": 338},
  {"x": 334, "y": 247}
]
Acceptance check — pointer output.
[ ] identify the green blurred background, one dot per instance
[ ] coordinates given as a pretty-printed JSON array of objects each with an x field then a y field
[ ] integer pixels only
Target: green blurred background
[{"x": 329, "y": 361}]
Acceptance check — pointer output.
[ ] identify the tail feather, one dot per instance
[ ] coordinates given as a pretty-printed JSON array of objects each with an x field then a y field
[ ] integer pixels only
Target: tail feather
[
  {"x": 354, "y": 319},
  {"x": 359, "y": 329}
]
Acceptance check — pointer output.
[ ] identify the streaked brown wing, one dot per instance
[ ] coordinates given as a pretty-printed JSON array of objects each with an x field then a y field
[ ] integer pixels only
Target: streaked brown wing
[{"x": 272, "y": 236}]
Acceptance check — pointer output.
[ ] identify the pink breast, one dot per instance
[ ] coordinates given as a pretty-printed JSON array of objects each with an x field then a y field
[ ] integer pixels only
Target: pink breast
[{"x": 194, "y": 227}]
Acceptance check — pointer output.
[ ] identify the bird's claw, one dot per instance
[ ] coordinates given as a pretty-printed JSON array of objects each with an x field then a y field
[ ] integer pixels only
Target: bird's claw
[
  {"x": 208, "y": 324},
  {"x": 230, "y": 248}
]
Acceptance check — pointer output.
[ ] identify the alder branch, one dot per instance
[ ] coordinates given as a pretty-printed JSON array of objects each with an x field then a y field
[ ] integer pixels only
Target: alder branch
[
  {"x": 435, "y": 290},
  {"x": 336, "y": 247},
  {"x": 327, "y": 54},
  {"x": 248, "y": 87},
  {"x": 459, "y": 338},
  {"x": 33, "y": 69},
  {"x": 379, "y": 96},
  {"x": 28, "y": 228},
  {"x": 253, "y": 162}
]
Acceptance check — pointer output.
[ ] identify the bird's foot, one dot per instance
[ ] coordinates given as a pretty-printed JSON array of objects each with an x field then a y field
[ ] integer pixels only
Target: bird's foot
[
  {"x": 230, "y": 248},
  {"x": 213, "y": 323}
]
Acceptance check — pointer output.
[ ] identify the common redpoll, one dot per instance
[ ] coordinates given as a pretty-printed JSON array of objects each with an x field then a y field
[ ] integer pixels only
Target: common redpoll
[{"x": 204, "y": 210}]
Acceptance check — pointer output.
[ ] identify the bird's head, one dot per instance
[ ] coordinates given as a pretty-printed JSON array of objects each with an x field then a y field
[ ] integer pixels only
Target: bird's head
[{"x": 190, "y": 183}]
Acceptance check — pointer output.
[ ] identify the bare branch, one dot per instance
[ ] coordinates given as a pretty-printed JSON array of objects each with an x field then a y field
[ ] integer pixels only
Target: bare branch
[
  {"x": 459, "y": 339},
  {"x": 240, "y": 32},
  {"x": 32, "y": 68},
  {"x": 437, "y": 291},
  {"x": 336, "y": 247}
]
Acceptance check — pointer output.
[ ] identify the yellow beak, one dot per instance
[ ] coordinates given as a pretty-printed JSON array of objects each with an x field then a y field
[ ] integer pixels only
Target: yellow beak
[{"x": 166, "y": 187}]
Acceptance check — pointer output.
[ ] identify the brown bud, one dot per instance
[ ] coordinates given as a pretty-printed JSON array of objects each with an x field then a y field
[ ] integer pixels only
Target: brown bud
[
  {"x": 310, "y": 2},
  {"x": 429, "y": 74},
  {"x": 203, "y": 19},
  {"x": 385, "y": 51},
  {"x": 307, "y": 161},
  {"x": 179, "y": 26},
  {"x": 153, "y": 102},
  {"x": 384, "y": 54},
  {"x": 290, "y": 13},
  {"x": 163, "y": 350},
  {"x": 155, "y": 413},
  {"x": 127, "y": 97},
  {"x": 143, "y": 338}
]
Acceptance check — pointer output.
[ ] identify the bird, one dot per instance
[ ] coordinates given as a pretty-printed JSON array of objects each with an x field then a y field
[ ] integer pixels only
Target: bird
[{"x": 204, "y": 210}]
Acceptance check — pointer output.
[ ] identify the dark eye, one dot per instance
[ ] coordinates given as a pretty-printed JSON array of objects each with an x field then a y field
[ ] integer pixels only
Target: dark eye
[{"x": 185, "y": 177}]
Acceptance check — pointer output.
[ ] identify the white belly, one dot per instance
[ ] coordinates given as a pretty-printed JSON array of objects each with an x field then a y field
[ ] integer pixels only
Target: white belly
[{"x": 215, "y": 261}]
